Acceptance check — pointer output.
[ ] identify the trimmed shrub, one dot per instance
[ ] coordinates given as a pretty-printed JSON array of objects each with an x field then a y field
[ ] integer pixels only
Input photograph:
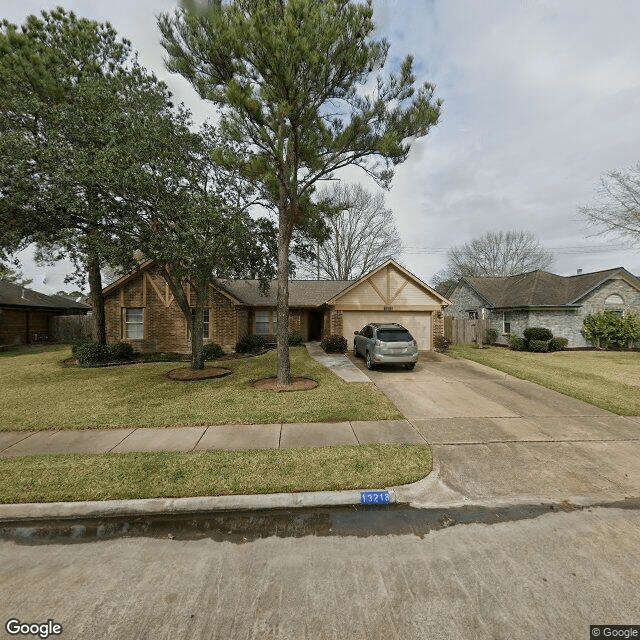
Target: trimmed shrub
[
  {"x": 119, "y": 351},
  {"x": 295, "y": 340},
  {"x": 538, "y": 346},
  {"x": 608, "y": 326},
  {"x": 516, "y": 343},
  {"x": 252, "y": 342},
  {"x": 441, "y": 343},
  {"x": 334, "y": 344},
  {"x": 558, "y": 344},
  {"x": 490, "y": 336},
  {"x": 90, "y": 353},
  {"x": 80, "y": 340},
  {"x": 212, "y": 351},
  {"x": 537, "y": 333}
]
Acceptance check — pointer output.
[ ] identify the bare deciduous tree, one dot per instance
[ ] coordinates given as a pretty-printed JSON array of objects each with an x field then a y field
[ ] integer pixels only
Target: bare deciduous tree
[
  {"x": 363, "y": 234},
  {"x": 617, "y": 206},
  {"x": 495, "y": 254}
]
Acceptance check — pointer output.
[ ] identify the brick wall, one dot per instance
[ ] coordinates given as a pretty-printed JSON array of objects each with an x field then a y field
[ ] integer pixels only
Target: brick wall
[
  {"x": 336, "y": 323},
  {"x": 437, "y": 319},
  {"x": 165, "y": 327}
]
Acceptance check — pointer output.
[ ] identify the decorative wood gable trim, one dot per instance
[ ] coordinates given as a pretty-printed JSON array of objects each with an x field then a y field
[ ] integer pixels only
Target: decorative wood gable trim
[
  {"x": 166, "y": 297},
  {"x": 389, "y": 298},
  {"x": 375, "y": 288}
]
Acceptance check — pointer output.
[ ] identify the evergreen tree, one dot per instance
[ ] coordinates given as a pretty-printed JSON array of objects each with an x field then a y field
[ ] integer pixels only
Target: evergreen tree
[{"x": 289, "y": 77}]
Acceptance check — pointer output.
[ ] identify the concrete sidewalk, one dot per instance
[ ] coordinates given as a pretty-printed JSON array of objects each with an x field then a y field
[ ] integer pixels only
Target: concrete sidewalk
[
  {"x": 338, "y": 363},
  {"x": 231, "y": 436}
]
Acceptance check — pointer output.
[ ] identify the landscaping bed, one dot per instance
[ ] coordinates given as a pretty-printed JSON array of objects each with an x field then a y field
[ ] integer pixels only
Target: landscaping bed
[
  {"x": 38, "y": 394},
  {"x": 141, "y": 358},
  {"x": 607, "y": 379},
  {"x": 113, "y": 476}
]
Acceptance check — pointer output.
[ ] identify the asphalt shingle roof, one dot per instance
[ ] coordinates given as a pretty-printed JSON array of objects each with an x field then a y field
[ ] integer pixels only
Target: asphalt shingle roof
[
  {"x": 13, "y": 295},
  {"x": 538, "y": 288},
  {"x": 302, "y": 293}
]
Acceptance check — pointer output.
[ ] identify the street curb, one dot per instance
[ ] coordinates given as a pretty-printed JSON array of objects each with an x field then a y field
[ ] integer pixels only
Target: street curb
[{"x": 171, "y": 506}]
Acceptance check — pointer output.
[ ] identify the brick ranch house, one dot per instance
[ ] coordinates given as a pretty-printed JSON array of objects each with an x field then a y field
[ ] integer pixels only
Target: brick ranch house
[
  {"x": 542, "y": 299},
  {"x": 25, "y": 315},
  {"x": 141, "y": 310}
]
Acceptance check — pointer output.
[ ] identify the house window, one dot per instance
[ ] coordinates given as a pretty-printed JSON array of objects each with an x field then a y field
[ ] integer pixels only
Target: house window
[
  {"x": 614, "y": 303},
  {"x": 266, "y": 322},
  {"x": 205, "y": 321},
  {"x": 473, "y": 315},
  {"x": 134, "y": 324},
  {"x": 506, "y": 324}
]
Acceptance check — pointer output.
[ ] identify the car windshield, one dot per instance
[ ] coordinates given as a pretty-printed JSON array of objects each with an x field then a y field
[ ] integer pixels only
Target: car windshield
[{"x": 394, "y": 335}]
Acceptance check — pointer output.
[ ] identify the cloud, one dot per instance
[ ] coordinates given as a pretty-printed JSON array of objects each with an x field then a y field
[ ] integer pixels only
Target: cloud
[{"x": 540, "y": 98}]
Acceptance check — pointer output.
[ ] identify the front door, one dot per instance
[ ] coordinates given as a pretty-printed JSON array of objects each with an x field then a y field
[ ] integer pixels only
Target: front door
[{"x": 315, "y": 325}]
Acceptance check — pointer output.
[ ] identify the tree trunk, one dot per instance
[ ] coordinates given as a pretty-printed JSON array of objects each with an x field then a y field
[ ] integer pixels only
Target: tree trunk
[
  {"x": 97, "y": 299},
  {"x": 197, "y": 360},
  {"x": 197, "y": 328},
  {"x": 284, "y": 359}
]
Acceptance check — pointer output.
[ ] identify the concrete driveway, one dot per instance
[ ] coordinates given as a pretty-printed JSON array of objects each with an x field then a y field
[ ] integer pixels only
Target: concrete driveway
[{"x": 495, "y": 437}]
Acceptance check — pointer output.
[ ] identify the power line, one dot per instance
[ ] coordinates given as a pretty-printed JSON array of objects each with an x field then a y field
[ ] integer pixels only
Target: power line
[{"x": 575, "y": 250}]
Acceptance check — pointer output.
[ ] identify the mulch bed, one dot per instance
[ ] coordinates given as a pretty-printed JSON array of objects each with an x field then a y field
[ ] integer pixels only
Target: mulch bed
[
  {"x": 73, "y": 361},
  {"x": 272, "y": 384},
  {"x": 186, "y": 374}
]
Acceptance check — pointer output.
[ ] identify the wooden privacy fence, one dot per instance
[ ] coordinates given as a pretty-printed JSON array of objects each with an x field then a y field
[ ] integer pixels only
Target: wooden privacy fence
[
  {"x": 67, "y": 328},
  {"x": 465, "y": 331}
]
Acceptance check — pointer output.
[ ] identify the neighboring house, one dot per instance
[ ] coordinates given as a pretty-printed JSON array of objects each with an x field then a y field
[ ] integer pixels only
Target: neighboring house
[
  {"x": 542, "y": 299},
  {"x": 25, "y": 315},
  {"x": 141, "y": 310}
]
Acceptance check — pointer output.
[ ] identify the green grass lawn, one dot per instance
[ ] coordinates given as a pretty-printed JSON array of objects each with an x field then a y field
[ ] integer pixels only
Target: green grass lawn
[
  {"x": 110, "y": 476},
  {"x": 606, "y": 379},
  {"x": 38, "y": 393}
]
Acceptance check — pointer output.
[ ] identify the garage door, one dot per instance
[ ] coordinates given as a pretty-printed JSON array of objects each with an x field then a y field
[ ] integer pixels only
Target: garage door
[{"x": 418, "y": 323}]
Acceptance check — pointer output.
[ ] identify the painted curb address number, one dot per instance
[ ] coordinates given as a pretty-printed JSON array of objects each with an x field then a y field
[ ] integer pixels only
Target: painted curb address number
[{"x": 375, "y": 497}]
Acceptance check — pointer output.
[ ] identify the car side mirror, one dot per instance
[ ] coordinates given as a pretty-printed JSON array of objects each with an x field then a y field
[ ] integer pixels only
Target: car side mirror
[{"x": 356, "y": 333}]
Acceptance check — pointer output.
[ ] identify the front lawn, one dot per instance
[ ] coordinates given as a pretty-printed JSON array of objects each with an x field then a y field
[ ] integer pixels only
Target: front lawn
[
  {"x": 607, "y": 379},
  {"x": 38, "y": 393},
  {"x": 111, "y": 476}
]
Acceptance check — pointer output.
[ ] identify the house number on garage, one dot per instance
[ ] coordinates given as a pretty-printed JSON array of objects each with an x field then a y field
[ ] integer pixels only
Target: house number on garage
[
  {"x": 388, "y": 308},
  {"x": 374, "y": 497}
]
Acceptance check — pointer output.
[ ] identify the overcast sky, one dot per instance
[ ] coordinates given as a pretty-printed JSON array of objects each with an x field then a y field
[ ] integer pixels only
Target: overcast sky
[{"x": 540, "y": 98}]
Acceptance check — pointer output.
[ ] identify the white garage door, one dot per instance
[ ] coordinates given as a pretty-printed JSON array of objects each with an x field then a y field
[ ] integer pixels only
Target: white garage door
[{"x": 418, "y": 323}]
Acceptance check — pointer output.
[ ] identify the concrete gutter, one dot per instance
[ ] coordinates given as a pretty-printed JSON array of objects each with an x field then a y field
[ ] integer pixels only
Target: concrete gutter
[{"x": 173, "y": 506}]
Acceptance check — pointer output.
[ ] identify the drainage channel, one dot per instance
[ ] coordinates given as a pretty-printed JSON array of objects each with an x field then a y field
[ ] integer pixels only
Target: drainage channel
[{"x": 245, "y": 526}]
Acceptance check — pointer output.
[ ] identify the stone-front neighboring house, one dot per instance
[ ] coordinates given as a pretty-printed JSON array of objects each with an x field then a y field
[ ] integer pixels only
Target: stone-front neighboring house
[
  {"x": 25, "y": 315},
  {"x": 141, "y": 310},
  {"x": 542, "y": 299}
]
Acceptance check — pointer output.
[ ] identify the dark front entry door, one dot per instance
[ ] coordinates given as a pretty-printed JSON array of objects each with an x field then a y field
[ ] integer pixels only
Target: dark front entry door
[{"x": 315, "y": 325}]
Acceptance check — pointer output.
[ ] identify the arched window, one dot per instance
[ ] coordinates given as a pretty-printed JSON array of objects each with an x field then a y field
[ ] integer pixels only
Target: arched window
[{"x": 615, "y": 303}]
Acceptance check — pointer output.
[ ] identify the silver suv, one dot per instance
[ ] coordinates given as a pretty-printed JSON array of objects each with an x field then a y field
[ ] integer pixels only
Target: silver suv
[{"x": 385, "y": 343}]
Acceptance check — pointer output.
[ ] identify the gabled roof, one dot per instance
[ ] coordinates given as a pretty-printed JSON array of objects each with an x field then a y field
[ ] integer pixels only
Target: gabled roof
[
  {"x": 14, "y": 295},
  {"x": 407, "y": 274},
  {"x": 302, "y": 293},
  {"x": 541, "y": 288}
]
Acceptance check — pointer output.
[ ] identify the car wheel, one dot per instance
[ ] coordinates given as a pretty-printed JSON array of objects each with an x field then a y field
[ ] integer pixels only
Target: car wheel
[
  {"x": 410, "y": 365},
  {"x": 369, "y": 361}
]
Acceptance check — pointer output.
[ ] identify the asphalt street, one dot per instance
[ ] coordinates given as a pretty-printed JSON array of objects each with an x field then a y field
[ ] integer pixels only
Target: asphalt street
[{"x": 549, "y": 576}]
